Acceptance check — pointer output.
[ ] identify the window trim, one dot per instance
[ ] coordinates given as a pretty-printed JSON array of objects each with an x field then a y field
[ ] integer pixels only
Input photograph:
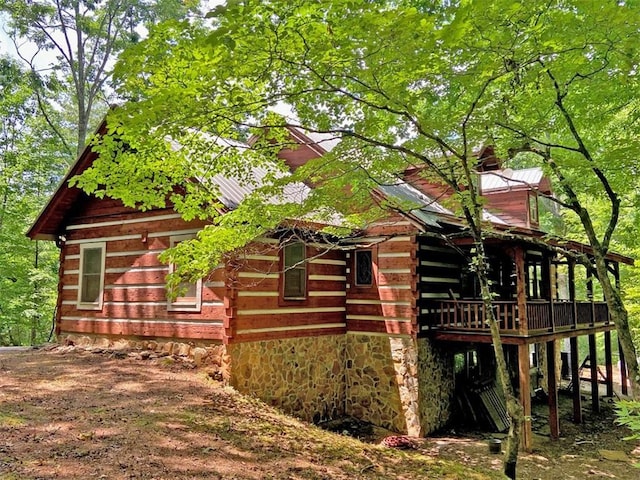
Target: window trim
[
  {"x": 302, "y": 266},
  {"x": 80, "y": 305},
  {"x": 184, "y": 304},
  {"x": 355, "y": 268}
]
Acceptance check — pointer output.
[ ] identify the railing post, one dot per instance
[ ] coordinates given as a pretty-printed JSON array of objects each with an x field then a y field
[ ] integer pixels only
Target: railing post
[
  {"x": 452, "y": 315},
  {"x": 477, "y": 321}
]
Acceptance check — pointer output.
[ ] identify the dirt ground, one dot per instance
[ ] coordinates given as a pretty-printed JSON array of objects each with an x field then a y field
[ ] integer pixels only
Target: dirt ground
[{"x": 68, "y": 413}]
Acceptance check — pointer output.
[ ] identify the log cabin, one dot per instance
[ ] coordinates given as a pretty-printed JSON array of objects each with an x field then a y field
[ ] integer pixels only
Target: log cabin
[{"x": 386, "y": 328}]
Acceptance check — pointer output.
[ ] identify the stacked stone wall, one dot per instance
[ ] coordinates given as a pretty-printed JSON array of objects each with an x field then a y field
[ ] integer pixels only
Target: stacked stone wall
[
  {"x": 382, "y": 381},
  {"x": 399, "y": 383},
  {"x": 302, "y": 376},
  {"x": 436, "y": 385},
  {"x": 212, "y": 355}
]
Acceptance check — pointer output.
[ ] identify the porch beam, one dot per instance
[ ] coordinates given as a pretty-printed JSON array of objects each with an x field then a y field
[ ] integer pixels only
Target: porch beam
[
  {"x": 525, "y": 396},
  {"x": 593, "y": 362},
  {"x": 575, "y": 381},
  {"x": 554, "y": 419}
]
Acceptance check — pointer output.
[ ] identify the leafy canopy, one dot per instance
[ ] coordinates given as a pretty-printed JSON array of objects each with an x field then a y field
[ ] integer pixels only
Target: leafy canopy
[
  {"x": 84, "y": 37},
  {"x": 403, "y": 84}
]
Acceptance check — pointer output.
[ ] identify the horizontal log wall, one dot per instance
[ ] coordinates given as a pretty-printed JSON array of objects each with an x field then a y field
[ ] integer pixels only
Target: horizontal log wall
[
  {"x": 134, "y": 301},
  {"x": 258, "y": 310},
  {"x": 240, "y": 302},
  {"x": 388, "y": 306},
  {"x": 438, "y": 273}
]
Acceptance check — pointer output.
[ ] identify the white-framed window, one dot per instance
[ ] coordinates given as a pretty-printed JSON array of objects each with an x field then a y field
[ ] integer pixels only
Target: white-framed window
[
  {"x": 363, "y": 260},
  {"x": 91, "y": 276},
  {"x": 189, "y": 298},
  {"x": 294, "y": 286}
]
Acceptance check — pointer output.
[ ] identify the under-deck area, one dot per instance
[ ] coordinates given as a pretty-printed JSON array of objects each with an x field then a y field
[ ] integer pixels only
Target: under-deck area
[
  {"x": 542, "y": 355},
  {"x": 540, "y": 298}
]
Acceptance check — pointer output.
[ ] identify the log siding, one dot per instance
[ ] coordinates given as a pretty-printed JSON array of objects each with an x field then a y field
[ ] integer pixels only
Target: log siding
[
  {"x": 261, "y": 312},
  {"x": 388, "y": 305},
  {"x": 244, "y": 303},
  {"x": 134, "y": 300}
]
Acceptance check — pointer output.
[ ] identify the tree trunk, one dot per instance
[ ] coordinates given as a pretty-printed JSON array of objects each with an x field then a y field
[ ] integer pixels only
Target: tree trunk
[
  {"x": 514, "y": 407},
  {"x": 620, "y": 318},
  {"x": 81, "y": 86},
  {"x": 473, "y": 214}
]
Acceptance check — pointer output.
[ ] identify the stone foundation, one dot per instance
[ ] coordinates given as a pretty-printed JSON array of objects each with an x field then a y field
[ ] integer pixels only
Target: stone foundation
[
  {"x": 213, "y": 355},
  {"x": 404, "y": 352},
  {"x": 382, "y": 382},
  {"x": 302, "y": 376},
  {"x": 436, "y": 385},
  {"x": 399, "y": 383}
]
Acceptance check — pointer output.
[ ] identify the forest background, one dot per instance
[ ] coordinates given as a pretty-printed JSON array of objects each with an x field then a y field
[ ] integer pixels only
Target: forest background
[{"x": 56, "y": 59}]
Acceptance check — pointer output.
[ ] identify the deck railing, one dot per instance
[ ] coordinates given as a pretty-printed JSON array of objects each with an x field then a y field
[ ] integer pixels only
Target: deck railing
[{"x": 469, "y": 315}]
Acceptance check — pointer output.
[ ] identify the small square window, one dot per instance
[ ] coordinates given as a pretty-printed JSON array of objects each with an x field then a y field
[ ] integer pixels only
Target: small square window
[
  {"x": 295, "y": 271},
  {"x": 364, "y": 268}
]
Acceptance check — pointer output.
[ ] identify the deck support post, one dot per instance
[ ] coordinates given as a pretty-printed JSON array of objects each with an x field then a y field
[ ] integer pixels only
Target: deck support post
[
  {"x": 525, "y": 395},
  {"x": 623, "y": 371},
  {"x": 575, "y": 381},
  {"x": 595, "y": 387},
  {"x": 554, "y": 420},
  {"x": 608, "y": 363}
]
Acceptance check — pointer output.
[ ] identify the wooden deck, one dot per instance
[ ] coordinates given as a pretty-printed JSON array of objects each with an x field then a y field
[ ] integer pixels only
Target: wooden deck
[{"x": 542, "y": 317}]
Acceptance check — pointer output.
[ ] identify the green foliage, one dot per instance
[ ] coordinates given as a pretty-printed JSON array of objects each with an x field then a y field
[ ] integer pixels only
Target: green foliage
[
  {"x": 628, "y": 413},
  {"x": 84, "y": 37},
  {"x": 626, "y": 242},
  {"x": 30, "y": 167}
]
